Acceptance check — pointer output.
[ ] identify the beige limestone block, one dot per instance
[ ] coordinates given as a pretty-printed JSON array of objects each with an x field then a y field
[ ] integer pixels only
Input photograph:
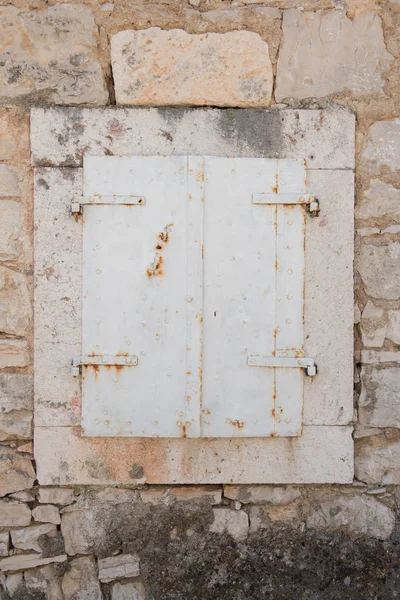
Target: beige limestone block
[
  {"x": 324, "y": 53},
  {"x": 118, "y": 567},
  {"x": 14, "y": 514},
  {"x": 393, "y": 332},
  {"x": 383, "y": 146},
  {"x": 153, "y": 67},
  {"x": 15, "y": 425},
  {"x": 4, "y": 543},
  {"x": 15, "y": 304},
  {"x": 16, "y": 392},
  {"x": 10, "y": 229},
  {"x": 357, "y": 516},
  {"x": 28, "y": 537},
  {"x": 262, "y": 494},
  {"x": 9, "y": 181},
  {"x": 21, "y": 562},
  {"x": 134, "y": 590},
  {"x": 54, "y": 495},
  {"x": 233, "y": 522},
  {"x": 16, "y": 471},
  {"x": 379, "y": 200},
  {"x": 14, "y": 353},
  {"x": 377, "y": 458},
  {"x": 50, "y": 55},
  {"x": 46, "y": 513},
  {"x": 379, "y": 267},
  {"x": 80, "y": 580},
  {"x": 379, "y": 402}
]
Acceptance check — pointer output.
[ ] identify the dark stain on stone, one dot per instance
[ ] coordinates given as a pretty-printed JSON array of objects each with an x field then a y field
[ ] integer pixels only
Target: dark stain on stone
[
  {"x": 136, "y": 472},
  {"x": 43, "y": 183},
  {"x": 97, "y": 469},
  {"x": 252, "y": 130}
]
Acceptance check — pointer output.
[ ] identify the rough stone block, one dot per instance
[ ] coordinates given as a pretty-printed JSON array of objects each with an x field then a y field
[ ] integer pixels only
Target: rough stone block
[
  {"x": 262, "y": 494},
  {"x": 233, "y": 522},
  {"x": 393, "y": 332},
  {"x": 357, "y": 516},
  {"x": 14, "y": 353},
  {"x": 379, "y": 402},
  {"x": 16, "y": 392},
  {"x": 77, "y": 532},
  {"x": 21, "y": 562},
  {"x": 263, "y": 517},
  {"x": 383, "y": 146},
  {"x": 380, "y": 201},
  {"x": 28, "y": 538},
  {"x": 16, "y": 472},
  {"x": 4, "y": 543},
  {"x": 50, "y": 55},
  {"x": 379, "y": 267},
  {"x": 118, "y": 567},
  {"x": 15, "y": 425},
  {"x": 80, "y": 580},
  {"x": 128, "y": 591},
  {"x": 62, "y": 496},
  {"x": 10, "y": 229},
  {"x": 325, "y": 53},
  {"x": 377, "y": 458},
  {"x": 47, "y": 514},
  {"x": 14, "y": 514},
  {"x": 153, "y": 67},
  {"x": 15, "y": 304},
  {"x": 9, "y": 181}
]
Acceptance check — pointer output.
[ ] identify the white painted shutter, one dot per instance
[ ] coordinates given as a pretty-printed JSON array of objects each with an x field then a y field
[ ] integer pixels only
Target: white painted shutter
[{"x": 190, "y": 282}]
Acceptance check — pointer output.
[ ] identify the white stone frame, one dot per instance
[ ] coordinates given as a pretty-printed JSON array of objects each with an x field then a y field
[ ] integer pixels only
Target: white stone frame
[{"x": 325, "y": 139}]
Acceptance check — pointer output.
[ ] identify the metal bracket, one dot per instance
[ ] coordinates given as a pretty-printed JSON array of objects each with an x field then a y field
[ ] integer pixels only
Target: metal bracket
[
  {"x": 79, "y": 201},
  {"x": 311, "y": 202},
  {"x": 287, "y": 362},
  {"x": 102, "y": 360}
]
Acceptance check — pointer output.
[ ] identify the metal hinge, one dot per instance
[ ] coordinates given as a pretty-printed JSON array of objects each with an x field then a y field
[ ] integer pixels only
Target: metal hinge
[
  {"x": 102, "y": 360},
  {"x": 255, "y": 360},
  {"x": 311, "y": 202},
  {"x": 79, "y": 201}
]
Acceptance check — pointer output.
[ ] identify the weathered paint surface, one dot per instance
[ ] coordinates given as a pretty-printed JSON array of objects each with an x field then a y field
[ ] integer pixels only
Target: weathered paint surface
[{"x": 192, "y": 306}]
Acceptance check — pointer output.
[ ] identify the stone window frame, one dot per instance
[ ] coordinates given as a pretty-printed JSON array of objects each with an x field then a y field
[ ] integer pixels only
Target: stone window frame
[{"x": 325, "y": 140}]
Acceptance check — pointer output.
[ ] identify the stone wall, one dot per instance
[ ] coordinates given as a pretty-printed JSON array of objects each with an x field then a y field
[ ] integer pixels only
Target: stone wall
[{"x": 225, "y": 541}]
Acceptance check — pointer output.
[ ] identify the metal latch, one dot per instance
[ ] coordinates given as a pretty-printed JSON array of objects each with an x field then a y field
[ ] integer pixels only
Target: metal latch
[
  {"x": 288, "y": 362},
  {"x": 102, "y": 360},
  {"x": 311, "y": 202},
  {"x": 79, "y": 201}
]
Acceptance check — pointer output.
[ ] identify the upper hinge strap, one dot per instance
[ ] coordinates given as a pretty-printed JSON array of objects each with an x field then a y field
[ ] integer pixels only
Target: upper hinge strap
[
  {"x": 311, "y": 202},
  {"x": 79, "y": 201}
]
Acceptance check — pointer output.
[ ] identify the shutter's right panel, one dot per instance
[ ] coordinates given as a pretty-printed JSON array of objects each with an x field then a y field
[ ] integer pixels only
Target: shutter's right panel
[
  {"x": 290, "y": 263},
  {"x": 239, "y": 297}
]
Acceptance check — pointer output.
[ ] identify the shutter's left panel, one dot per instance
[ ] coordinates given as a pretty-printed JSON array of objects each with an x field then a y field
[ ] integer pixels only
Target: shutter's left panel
[{"x": 134, "y": 297}]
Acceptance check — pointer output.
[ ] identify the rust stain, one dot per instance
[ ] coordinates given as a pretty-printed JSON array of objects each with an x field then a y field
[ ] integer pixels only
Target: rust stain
[
  {"x": 156, "y": 267},
  {"x": 183, "y": 427},
  {"x": 276, "y": 186},
  {"x": 276, "y": 332},
  {"x": 276, "y": 265},
  {"x": 235, "y": 423},
  {"x": 96, "y": 371},
  {"x": 200, "y": 176}
]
